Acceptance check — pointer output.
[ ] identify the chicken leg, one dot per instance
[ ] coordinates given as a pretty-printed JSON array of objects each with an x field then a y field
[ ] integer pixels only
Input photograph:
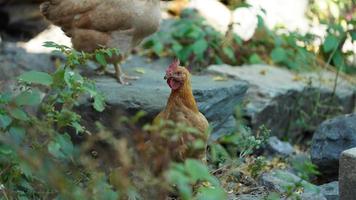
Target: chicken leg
[{"x": 121, "y": 76}]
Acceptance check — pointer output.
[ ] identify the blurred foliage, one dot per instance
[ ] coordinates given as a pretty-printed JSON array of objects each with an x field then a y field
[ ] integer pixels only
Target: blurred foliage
[
  {"x": 191, "y": 40},
  {"x": 198, "y": 45}
]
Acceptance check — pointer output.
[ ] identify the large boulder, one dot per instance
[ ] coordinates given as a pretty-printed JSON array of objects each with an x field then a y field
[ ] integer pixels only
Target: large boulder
[
  {"x": 288, "y": 103},
  {"x": 330, "y": 139}
]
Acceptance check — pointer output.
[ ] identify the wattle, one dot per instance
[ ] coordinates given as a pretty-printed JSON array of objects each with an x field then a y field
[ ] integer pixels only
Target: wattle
[{"x": 174, "y": 85}]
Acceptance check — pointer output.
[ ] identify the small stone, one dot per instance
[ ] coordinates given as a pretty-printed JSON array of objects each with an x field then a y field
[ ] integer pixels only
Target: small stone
[
  {"x": 278, "y": 147},
  {"x": 347, "y": 175},
  {"x": 330, "y": 190}
]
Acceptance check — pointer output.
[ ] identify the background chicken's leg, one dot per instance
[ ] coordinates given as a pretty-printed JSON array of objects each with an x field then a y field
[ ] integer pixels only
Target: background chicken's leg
[
  {"x": 101, "y": 70},
  {"x": 121, "y": 76}
]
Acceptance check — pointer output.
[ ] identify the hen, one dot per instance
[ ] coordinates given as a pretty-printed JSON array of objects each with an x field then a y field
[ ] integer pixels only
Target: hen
[
  {"x": 182, "y": 108},
  {"x": 93, "y": 24}
]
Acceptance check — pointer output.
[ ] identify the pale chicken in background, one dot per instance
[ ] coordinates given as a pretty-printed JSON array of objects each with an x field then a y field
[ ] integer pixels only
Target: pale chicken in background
[{"x": 92, "y": 24}]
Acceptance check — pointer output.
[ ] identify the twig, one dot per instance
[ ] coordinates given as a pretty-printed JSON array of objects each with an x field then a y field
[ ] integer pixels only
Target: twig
[
  {"x": 5, "y": 195},
  {"x": 337, "y": 72}
]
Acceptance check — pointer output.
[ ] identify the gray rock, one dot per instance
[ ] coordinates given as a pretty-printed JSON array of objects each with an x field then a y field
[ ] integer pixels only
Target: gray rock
[
  {"x": 290, "y": 104},
  {"x": 279, "y": 181},
  {"x": 15, "y": 60},
  {"x": 347, "y": 175},
  {"x": 216, "y": 99},
  {"x": 330, "y": 190},
  {"x": 330, "y": 139},
  {"x": 278, "y": 147},
  {"x": 312, "y": 196}
]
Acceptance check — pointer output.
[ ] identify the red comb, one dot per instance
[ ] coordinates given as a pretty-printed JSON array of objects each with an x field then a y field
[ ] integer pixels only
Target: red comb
[{"x": 174, "y": 65}]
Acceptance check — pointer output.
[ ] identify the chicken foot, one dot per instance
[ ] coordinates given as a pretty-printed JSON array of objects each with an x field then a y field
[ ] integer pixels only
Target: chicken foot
[{"x": 121, "y": 76}]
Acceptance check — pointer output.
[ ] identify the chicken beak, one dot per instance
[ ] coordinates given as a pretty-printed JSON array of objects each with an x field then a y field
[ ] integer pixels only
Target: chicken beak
[{"x": 165, "y": 77}]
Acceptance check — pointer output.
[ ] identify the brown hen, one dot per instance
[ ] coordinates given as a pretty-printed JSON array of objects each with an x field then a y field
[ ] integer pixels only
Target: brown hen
[
  {"x": 182, "y": 108},
  {"x": 94, "y": 24}
]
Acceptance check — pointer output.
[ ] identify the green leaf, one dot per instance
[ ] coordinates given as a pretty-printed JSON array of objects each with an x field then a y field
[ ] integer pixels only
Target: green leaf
[
  {"x": 78, "y": 128},
  {"x": 197, "y": 170},
  {"x": 5, "y": 150},
  {"x": 37, "y": 78},
  {"x": 278, "y": 55},
  {"x": 5, "y": 121},
  {"x": 195, "y": 33},
  {"x": 54, "y": 149},
  {"x": 62, "y": 147},
  {"x": 5, "y": 97},
  {"x": 17, "y": 134},
  {"x": 199, "y": 47},
  {"x": 353, "y": 35},
  {"x": 219, "y": 153},
  {"x": 19, "y": 114},
  {"x": 49, "y": 44},
  {"x": 255, "y": 59},
  {"x": 177, "y": 177},
  {"x": 211, "y": 194},
  {"x": 109, "y": 53},
  {"x": 176, "y": 47},
  {"x": 338, "y": 59},
  {"x": 184, "y": 53},
  {"x": 103, "y": 190},
  {"x": 229, "y": 52},
  {"x": 158, "y": 48},
  {"x": 330, "y": 43},
  {"x": 101, "y": 59},
  {"x": 273, "y": 196},
  {"x": 28, "y": 98},
  {"x": 99, "y": 103},
  {"x": 26, "y": 169}
]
